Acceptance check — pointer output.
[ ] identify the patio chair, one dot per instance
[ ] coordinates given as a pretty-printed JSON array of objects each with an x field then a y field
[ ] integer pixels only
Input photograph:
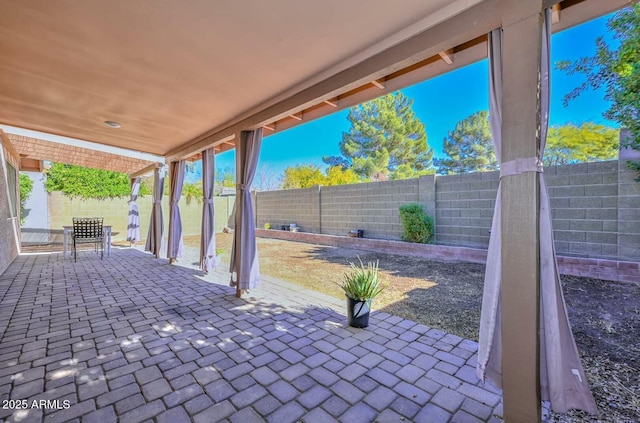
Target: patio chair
[{"x": 88, "y": 230}]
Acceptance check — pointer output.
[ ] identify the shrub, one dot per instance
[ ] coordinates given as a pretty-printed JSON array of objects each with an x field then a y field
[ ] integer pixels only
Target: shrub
[{"x": 418, "y": 226}]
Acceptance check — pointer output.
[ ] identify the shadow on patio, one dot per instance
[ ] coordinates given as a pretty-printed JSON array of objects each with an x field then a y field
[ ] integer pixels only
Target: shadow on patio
[{"x": 130, "y": 338}]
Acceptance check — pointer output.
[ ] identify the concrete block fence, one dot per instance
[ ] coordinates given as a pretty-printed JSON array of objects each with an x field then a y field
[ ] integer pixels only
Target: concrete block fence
[{"x": 595, "y": 208}]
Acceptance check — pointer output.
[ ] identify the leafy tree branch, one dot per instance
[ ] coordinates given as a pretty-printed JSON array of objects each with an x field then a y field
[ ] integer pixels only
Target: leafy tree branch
[{"x": 618, "y": 71}]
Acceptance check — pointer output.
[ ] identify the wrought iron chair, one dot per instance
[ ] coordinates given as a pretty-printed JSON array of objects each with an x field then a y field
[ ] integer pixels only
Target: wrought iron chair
[{"x": 88, "y": 230}]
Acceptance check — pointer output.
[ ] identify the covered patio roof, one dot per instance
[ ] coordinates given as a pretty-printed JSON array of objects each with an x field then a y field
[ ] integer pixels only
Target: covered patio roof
[
  {"x": 177, "y": 82},
  {"x": 170, "y": 72}
]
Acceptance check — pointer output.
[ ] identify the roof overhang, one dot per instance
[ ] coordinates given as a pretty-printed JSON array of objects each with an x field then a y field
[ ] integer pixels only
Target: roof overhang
[{"x": 179, "y": 83}]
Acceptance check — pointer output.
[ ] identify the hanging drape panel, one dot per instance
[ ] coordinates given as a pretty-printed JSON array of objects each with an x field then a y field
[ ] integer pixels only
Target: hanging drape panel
[
  {"x": 156, "y": 226},
  {"x": 133, "y": 227},
  {"x": 175, "y": 246},
  {"x": 244, "y": 252},
  {"x": 490, "y": 344},
  {"x": 562, "y": 378},
  {"x": 208, "y": 232}
]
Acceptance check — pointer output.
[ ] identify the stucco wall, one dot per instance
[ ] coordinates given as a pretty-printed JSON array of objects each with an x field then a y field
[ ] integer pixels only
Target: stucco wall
[{"x": 115, "y": 212}]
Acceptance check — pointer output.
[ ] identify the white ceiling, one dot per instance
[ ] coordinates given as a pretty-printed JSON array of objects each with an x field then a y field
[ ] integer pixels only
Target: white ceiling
[{"x": 169, "y": 71}]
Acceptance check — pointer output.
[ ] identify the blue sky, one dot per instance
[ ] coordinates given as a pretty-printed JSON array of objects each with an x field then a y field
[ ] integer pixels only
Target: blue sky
[{"x": 440, "y": 103}]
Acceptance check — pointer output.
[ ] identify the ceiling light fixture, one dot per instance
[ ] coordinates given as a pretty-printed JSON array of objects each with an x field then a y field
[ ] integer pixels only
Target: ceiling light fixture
[{"x": 112, "y": 124}]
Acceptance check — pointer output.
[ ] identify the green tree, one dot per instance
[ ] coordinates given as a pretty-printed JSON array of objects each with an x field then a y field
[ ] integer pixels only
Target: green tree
[
  {"x": 577, "y": 144},
  {"x": 226, "y": 177},
  {"x": 85, "y": 183},
  {"x": 192, "y": 191},
  {"x": 26, "y": 186},
  {"x": 309, "y": 175},
  {"x": 469, "y": 147},
  {"x": 336, "y": 175},
  {"x": 618, "y": 71},
  {"x": 385, "y": 135},
  {"x": 302, "y": 176}
]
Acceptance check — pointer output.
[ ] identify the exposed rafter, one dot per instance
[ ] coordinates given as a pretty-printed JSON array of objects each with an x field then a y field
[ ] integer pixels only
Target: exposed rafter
[
  {"x": 555, "y": 13},
  {"x": 332, "y": 103},
  {"x": 378, "y": 83},
  {"x": 145, "y": 170},
  {"x": 447, "y": 56},
  {"x": 296, "y": 116}
]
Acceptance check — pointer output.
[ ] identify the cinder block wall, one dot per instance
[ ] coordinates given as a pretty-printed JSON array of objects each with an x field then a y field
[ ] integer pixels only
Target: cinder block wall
[
  {"x": 300, "y": 206},
  {"x": 372, "y": 207},
  {"x": 595, "y": 208},
  {"x": 584, "y": 203},
  {"x": 464, "y": 208},
  {"x": 628, "y": 205}
]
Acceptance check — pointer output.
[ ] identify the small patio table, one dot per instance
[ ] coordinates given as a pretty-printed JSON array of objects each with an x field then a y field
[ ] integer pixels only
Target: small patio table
[{"x": 69, "y": 229}]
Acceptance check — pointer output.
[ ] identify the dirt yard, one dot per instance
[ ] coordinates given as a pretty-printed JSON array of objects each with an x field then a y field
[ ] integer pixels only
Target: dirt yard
[{"x": 605, "y": 316}]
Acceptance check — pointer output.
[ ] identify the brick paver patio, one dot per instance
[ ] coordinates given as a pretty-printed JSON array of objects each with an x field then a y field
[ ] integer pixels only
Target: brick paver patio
[{"x": 131, "y": 338}]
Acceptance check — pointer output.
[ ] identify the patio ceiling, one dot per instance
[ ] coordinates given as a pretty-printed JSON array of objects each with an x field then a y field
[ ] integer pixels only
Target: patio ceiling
[
  {"x": 178, "y": 81},
  {"x": 171, "y": 71}
]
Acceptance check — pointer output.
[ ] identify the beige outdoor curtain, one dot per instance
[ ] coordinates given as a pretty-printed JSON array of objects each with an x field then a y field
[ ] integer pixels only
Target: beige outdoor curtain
[
  {"x": 156, "y": 226},
  {"x": 133, "y": 227},
  {"x": 244, "y": 252},
  {"x": 562, "y": 378},
  {"x": 175, "y": 246},
  {"x": 208, "y": 232}
]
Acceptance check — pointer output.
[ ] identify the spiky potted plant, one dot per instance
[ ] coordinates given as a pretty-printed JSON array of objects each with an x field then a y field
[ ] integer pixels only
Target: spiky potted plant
[{"x": 361, "y": 285}]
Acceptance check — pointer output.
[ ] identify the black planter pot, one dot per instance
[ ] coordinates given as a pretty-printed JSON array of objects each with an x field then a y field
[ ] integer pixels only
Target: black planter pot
[{"x": 358, "y": 312}]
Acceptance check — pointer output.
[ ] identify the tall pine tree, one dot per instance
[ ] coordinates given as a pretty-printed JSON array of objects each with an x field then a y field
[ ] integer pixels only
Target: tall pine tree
[
  {"x": 386, "y": 140},
  {"x": 469, "y": 147}
]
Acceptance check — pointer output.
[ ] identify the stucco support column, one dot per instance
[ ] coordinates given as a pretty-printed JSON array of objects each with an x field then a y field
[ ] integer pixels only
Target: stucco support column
[{"x": 520, "y": 210}]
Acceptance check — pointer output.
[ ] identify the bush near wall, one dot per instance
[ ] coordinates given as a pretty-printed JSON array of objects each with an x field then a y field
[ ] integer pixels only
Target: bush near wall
[{"x": 417, "y": 226}]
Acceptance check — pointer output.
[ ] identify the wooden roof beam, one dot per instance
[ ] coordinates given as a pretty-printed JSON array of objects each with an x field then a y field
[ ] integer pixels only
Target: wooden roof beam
[
  {"x": 145, "y": 170},
  {"x": 30, "y": 165},
  {"x": 378, "y": 83},
  {"x": 555, "y": 13},
  {"x": 332, "y": 103},
  {"x": 296, "y": 116},
  {"x": 447, "y": 56}
]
